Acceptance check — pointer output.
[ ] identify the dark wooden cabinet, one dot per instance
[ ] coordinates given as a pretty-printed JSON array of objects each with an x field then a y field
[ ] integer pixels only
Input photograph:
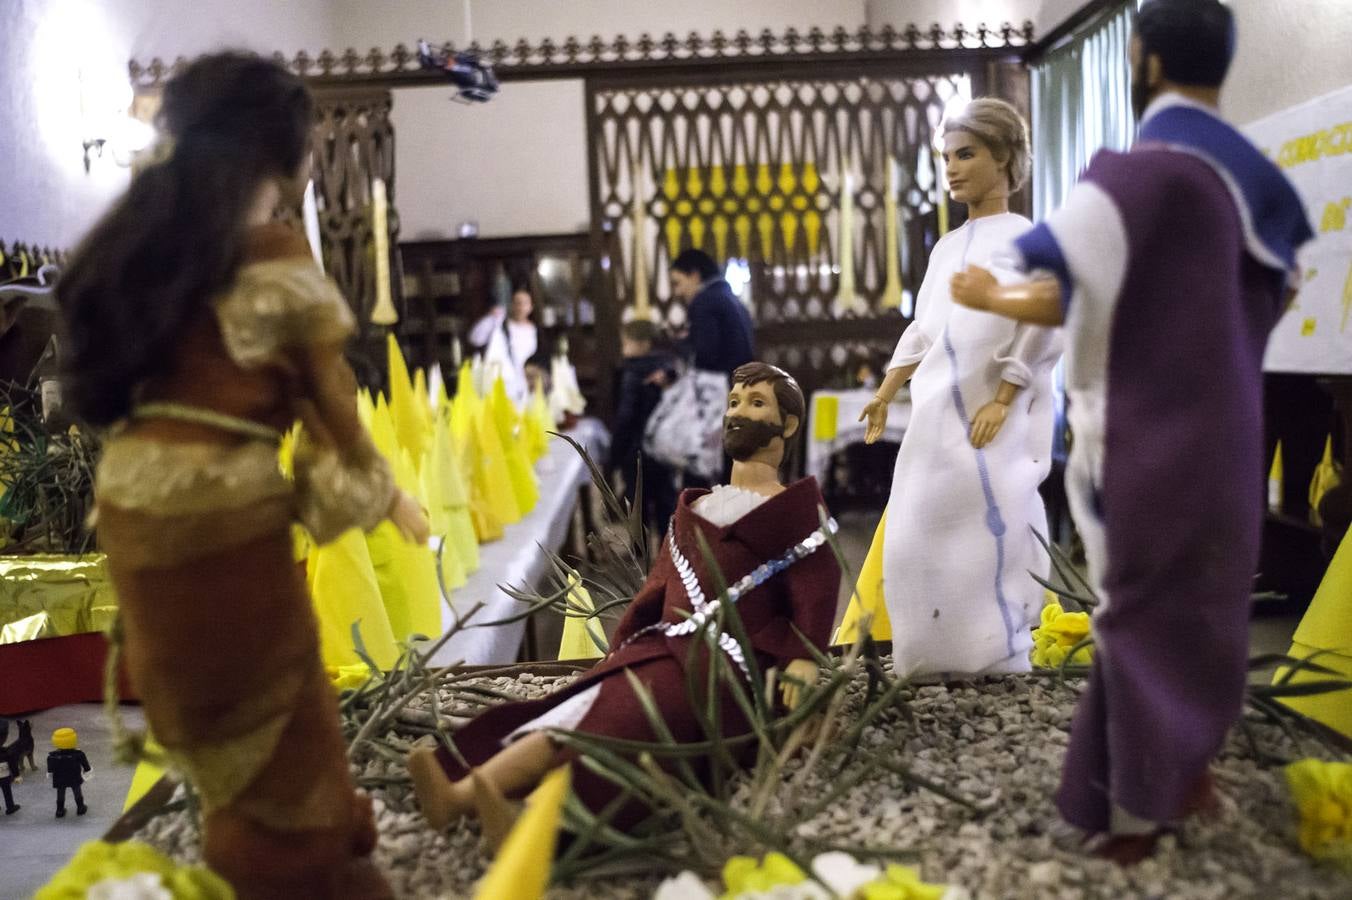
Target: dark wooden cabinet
[{"x": 449, "y": 284}]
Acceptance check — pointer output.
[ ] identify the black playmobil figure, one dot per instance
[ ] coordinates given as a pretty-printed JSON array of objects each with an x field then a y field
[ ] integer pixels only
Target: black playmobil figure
[
  {"x": 66, "y": 766},
  {"x": 11, "y": 759},
  {"x": 6, "y": 771}
]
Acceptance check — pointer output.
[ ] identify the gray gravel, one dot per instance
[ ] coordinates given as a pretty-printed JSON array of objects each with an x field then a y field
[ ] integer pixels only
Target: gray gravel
[{"x": 998, "y": 742}]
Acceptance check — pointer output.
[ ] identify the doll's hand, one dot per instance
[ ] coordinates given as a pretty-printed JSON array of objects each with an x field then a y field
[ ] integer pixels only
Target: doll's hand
[
  {"x": 973, "y": 288},
  {"x": 799, "y": 674},
  {"x": 875, "y": 413},
  {"x": 408, "y": 517},
  {"x": 987, "y": 422}
]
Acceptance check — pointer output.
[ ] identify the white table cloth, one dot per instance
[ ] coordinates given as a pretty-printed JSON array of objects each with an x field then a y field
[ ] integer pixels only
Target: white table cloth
[
  {"x": 515, "y": 559},
  {"x": 849, "y": 430}
]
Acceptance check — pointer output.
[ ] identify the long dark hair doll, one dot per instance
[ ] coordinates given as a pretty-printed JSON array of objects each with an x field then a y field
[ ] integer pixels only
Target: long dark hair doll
[
  {"x": 200, "y": 331},
  {"x": 177, "y": 237}
]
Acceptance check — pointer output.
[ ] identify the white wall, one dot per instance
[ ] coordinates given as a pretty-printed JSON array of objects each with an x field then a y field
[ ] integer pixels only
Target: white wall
[
  {"x": 1044, "y": 14},
  {"x": 518, "y": 164},
  {"x": 47, "y": 46},
  {"x": 1289, "y": 51},
  {"x": 366, "y": 23}
]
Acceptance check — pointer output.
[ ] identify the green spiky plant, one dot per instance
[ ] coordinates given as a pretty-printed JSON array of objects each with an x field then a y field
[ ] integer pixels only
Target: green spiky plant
[
  {"x": 696, "y": 822},
  {"x": 46, "y": 479}
]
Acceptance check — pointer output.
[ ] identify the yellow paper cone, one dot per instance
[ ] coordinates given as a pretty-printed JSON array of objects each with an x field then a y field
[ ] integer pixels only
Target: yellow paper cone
[
  {"x": 453, "y": 494},
  {"x": 521, "y": 869},
  {"x": 344, "y": 589},
  {"x": 496, "y": 480},
  {"x": 525, "y": 487},
  {"x": 1275, "y": 478},
  {"x": 539, "y": 423},
  {"x": 410, "y": 417},
  {"x": 382, "y": 430},
  {"x": 1327, "y": 626},
  {"x": 407, "y": 574},
  {"x": 867, "y": 599},
  {"x": 1327, "y": 475},
  {"x": 145, "y": 777},
  {"x": 577, "y": 641}
]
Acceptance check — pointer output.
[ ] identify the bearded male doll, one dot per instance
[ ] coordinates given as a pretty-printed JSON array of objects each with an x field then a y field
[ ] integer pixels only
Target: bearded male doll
[{"x": 767, "y": 541}]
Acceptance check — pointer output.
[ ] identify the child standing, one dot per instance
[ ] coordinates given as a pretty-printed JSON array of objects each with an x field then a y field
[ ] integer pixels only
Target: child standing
[{"x": 645, "y": 369}]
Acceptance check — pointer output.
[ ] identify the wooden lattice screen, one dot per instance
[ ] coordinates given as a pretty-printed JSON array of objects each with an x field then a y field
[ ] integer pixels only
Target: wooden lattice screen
[
  {"x": 752, "y": 169},
  {"x": 353, "y": 143}
]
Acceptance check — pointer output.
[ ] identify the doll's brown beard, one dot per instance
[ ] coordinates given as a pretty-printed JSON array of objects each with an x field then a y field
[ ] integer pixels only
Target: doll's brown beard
[{"x": 742, "y": 437}]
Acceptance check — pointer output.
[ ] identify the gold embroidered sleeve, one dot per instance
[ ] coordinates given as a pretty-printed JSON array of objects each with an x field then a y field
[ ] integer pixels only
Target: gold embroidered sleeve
[
  {"x": 337, "y": 491},
  {"x": 278, "y": 304}
]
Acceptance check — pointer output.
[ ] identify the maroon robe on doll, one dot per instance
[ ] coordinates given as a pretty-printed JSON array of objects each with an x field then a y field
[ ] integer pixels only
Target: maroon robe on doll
[{"x": 803, "y": 596}]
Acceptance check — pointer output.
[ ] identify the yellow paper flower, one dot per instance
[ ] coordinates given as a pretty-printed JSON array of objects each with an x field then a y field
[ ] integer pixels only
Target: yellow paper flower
[
  {"x": 742, "y": 874},
  {"x": 902, "y": 883},
  {"x": 1059, "y": 632},
  {"x": 348, "y": 678},
  {"x": 1323, "y": 795},
  {"x": 140, "y": 866}
]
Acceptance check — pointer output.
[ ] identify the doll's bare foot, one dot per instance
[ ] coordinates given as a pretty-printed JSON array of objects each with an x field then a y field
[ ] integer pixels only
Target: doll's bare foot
[
  {"x": 496, "y": 813},
  {"x": 442, "y": 801}
]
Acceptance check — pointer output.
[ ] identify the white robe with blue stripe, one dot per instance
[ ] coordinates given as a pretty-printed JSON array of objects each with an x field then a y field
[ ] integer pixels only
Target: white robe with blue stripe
[{"x": 958, "y": 545}]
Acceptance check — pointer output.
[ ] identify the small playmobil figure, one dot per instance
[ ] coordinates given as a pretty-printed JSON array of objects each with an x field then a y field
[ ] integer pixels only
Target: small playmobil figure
[
  {"x": 66, "y": 766},
  {"x": 765, "y": 538},
  {"x": 10, "y": 763},
  {"x": 1170, "y": 267},
  {"x": 7, "y": 779}
]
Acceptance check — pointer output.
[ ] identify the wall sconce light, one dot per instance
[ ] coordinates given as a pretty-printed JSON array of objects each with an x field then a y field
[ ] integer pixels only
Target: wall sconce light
[{"x": 108, "y": 123}]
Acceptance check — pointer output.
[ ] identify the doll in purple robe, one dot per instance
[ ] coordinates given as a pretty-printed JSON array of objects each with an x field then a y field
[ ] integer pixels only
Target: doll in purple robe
[{"x": 1168, "y": 265}]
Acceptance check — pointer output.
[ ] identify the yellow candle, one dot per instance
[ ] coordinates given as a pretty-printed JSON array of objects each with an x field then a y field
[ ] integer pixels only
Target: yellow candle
[
  {"x": 847, "y": 301},
  {"x": 941, "y": 193},
  {"x": 641, "y": 310},
  {"x": 892, "y": 289},
  {"x": 383, "y": 313}
]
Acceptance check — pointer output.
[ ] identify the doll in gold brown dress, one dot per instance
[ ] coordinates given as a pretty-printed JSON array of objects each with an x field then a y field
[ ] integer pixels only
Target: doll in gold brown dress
[{"x": 199, "y": 332}]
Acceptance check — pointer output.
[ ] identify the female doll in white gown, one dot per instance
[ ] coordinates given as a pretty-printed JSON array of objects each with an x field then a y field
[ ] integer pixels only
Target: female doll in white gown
[{"x": 958, "y": 544}]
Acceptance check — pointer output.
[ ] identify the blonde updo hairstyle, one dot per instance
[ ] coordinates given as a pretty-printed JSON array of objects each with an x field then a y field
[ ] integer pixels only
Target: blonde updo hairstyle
[{"x": 999, "y": 127}]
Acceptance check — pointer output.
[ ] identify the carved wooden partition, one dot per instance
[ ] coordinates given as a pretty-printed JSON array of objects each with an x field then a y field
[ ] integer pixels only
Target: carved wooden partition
[
  {"x": 739, "y": 144},
  {"x": 752, "y": 167},
  {"x": 354, "y": 144}
]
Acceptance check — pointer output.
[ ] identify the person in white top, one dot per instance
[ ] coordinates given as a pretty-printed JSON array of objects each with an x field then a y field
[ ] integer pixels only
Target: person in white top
[
  {"x": 958, "y": 544},
  {"x": 509, "y": 339}
]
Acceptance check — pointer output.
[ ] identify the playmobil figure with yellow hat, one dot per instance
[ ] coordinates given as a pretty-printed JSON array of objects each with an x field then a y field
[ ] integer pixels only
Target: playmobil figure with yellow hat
[{"x": 66, "y": 766}]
